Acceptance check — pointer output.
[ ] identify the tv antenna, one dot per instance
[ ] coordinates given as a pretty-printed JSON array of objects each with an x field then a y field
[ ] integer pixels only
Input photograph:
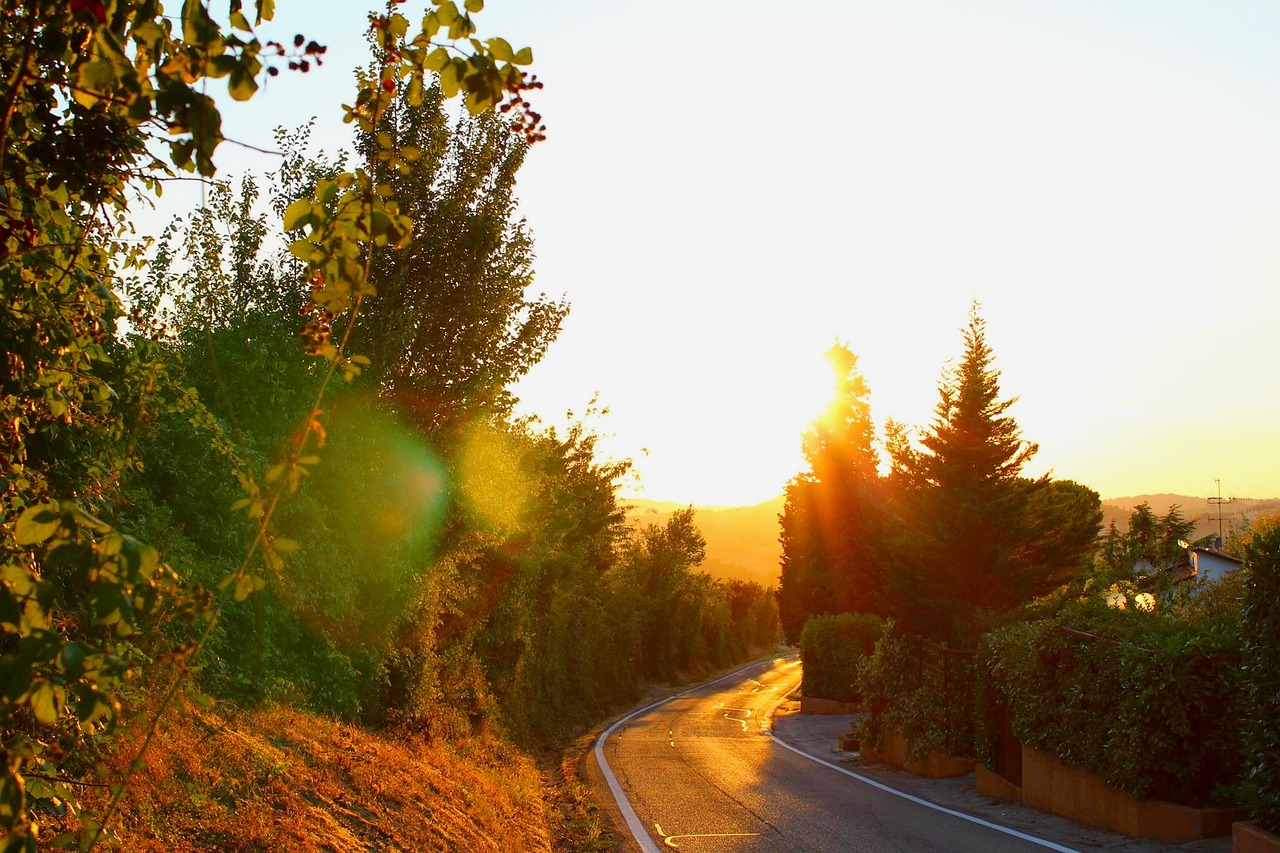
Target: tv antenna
[{"x": 1218, "y": 502}]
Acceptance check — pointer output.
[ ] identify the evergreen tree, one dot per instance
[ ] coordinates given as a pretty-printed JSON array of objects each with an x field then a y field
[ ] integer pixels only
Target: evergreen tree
[
  {"x": 973, "y": 534},
  {"x": 830, "y": 522}
]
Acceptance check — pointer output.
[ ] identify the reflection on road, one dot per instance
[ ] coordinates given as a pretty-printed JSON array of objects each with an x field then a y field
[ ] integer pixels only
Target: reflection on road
[{"x": 700, "y": 772}]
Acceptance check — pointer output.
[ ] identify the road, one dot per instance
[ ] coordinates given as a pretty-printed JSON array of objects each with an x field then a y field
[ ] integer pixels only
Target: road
[{"x": 701, "y": 772}]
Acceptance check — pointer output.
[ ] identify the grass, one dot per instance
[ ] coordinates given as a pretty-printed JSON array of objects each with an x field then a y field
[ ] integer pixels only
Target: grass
[{"x": 279, "y": 779}]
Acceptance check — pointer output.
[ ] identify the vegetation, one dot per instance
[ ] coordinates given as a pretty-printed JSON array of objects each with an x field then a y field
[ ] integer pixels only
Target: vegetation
[
  {"x": 1262, "y": 667},
  {"x": 1151, "y": 702},
  {"x": 919, "y": 690},
  {"x": 1149, "y": 540},
  {"x": 953, "y": 537},
  {"x": 832, "y": 519},
  {"x": 973, "y": 535},
  {"x": 447, "y": 569},
  {"x": 831, "y": 649}
]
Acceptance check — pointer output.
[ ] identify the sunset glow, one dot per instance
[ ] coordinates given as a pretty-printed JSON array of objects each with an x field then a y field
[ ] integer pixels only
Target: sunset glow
[{"x": 1102, "y": 177}]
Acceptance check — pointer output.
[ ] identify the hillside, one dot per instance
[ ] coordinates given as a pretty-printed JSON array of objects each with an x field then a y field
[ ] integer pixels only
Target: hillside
[
  {"x": 742, "y": 541},
  {"x": 1236, "y": 511},
  {"x": 278, "y": 778}
]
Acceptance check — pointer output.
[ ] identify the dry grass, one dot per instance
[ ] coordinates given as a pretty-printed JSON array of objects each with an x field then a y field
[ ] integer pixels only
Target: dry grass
[
  {"x": 577, "y": 824},
  {"x": 281, "y": 780}
]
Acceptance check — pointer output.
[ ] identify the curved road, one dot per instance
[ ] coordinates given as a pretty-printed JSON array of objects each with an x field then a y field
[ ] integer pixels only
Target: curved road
[{"x": 701, "y": 772}]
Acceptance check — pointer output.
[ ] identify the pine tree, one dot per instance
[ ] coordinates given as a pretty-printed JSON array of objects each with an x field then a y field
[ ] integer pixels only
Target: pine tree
[
  {"x": 973, "y": 533},
  {"x": 830, "y": 522}
]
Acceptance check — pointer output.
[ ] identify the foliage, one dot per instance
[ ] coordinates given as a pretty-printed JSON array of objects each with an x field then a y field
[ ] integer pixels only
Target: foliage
[
  {"x": 831, "y": 647},
  {"x": 831, "y": 522},
  {"x": 680, "y": 620},
  {"x": 1149, "y": 543},
  {"x": 451, "y": 327},
  {"x": 972, "y": 534},
  {"x": 1150, "y": 702},
  {"x": 920, "y": 690},
  {"x": 90, "y": 89},
  {"x": 1262, "y": 673}
]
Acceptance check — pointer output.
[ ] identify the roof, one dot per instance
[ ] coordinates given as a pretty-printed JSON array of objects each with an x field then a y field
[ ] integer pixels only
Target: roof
[{"x": 1214, "y": 552}]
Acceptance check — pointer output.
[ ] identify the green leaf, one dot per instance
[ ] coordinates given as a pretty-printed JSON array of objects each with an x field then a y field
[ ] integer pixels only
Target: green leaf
[
  {"x": 37, "y": 524},
  {"x": 303, "y": 250},
  {"x": 46, "y": 702},
  {"x": 524, "y": 56},
  {"x": 295, "y": 215},
  {"x": 501, "y": 50},
  {"x": 93, "y": 80},
  {"x": 436, "y": 60},
  {"x": 474, "y": 6},
  {"x": 243, "y": 83}
]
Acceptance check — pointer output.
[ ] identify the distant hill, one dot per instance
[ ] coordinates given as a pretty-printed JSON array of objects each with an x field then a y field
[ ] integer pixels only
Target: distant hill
[
  {"x": 742, "y": 541},
  {"x": 1198, "y": 508}
]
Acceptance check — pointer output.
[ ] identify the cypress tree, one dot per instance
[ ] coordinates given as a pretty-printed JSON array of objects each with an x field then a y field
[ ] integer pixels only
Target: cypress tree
[{"x": 830, "y": 522}]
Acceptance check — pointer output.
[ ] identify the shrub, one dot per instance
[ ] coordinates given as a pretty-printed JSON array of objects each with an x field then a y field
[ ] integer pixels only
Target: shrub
[
  {"x": 1150, "y": 702},
  {"x": 922, "y": 691},
  {"x": 831, "y": 648},
  {"x": 1262, "y": 672}
]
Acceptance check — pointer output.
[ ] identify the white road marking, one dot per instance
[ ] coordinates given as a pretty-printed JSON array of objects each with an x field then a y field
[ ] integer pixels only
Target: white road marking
[
  {"x": 643, "y": 838},
  {"x": 628, "y": 813}
]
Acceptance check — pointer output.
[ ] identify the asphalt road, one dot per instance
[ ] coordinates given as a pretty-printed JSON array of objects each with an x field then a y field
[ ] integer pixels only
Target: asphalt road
[{"x": 701, "y": 772}]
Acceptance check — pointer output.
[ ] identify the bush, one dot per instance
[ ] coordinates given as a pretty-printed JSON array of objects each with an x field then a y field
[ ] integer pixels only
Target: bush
[
  {"x": 1262, "y": 672},
  {"x": 920, "y": 690},
  {"x": 831, "y": 647},
  {"x": 1152, "y": 705}
]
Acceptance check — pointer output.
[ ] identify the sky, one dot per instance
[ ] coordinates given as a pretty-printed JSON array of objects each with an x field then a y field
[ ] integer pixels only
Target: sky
[{"x": 729, "y": 187}]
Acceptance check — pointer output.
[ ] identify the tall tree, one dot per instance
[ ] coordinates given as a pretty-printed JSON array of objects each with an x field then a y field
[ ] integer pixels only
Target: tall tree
[
  {"x": 830, "y": 521},
  {"x": 452, "y": 325},
  {"x": 973, "y": 531}
]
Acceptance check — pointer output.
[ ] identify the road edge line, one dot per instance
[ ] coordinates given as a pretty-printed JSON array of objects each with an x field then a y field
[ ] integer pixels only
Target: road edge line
[
  {"x": 904, "y": 795},
  {"x": 638, "y": 831}
]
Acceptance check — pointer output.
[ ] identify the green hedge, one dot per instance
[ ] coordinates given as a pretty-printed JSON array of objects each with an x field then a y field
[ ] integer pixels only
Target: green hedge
[
  {"x": 922, "y": 691},
  {"x": 1262, "y": 667},
  {"x": 1155, "y": 706},
  {"x": 831, "y": 648}
]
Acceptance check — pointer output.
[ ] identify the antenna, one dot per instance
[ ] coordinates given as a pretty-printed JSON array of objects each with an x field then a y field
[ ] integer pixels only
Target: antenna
[{"x": 1218, "y": 502}]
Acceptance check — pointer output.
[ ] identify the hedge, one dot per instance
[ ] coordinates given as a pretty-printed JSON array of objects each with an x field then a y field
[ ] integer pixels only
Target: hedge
[
  {"x": 1262, "y": 668},
  {"x": 831, "y": 648},
  {"x": 1153, "y": 704},
  {"x": 920, "y": 690}
]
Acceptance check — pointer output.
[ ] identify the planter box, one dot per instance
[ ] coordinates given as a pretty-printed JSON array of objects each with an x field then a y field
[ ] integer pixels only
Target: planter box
[
  {"x": 934, "y": 766},
  {"x": 849, "y": 741},
  {"x": 1075, "y": 793},
  {"x": 1248, "y": 837},
  {"x": 992, "y": 784},
  {"x": 814, "y": 705}
]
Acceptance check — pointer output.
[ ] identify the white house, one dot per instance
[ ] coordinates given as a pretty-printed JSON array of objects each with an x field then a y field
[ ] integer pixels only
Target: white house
[{"x": 1209, "y": 564}]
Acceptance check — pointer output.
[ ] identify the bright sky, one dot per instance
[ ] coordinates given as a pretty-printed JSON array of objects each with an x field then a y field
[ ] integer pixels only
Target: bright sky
[{"x": 729, "y": 185}]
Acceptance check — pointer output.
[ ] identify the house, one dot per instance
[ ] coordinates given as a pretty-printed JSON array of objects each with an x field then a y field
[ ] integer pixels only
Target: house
[
  {"x": 1210, "y": 564},
  {"x": 1197, "y": 564}
]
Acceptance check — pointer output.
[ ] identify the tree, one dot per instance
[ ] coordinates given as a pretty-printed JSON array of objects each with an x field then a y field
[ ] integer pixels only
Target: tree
[
  {"x": 451, "y": 327},
  {"x": 1149, "y": 543},
  {"x": 973, "y": 534},
  {"x": 90, "y": 90},
  {"x": 830, "y": 523}
]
